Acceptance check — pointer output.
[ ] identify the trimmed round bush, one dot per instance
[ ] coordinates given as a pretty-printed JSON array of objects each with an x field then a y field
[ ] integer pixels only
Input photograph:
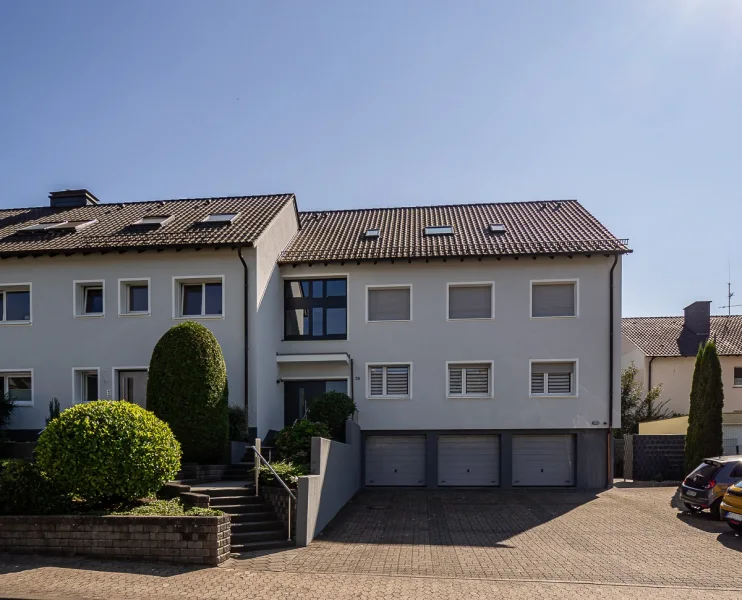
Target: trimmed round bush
[
  {"x": 187, "y": 388},
  {"x": 294, "y": 442},
  {"x": 108, "y": 450},
  {"x": 333, "y": 409}
]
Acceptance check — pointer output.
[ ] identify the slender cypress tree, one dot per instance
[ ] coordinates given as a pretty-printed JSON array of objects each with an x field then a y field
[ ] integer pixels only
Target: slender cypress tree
[
  {"x": 712, "y": 438},
  {"x": 695, "y": 416}
]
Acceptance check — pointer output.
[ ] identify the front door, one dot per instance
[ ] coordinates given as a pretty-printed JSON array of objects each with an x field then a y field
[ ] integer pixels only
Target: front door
[
  {"x": 297, "y": 395},
  {"x": 133, "y": 387}
]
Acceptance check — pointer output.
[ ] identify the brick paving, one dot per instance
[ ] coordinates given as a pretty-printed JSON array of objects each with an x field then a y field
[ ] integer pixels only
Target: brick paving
[{"x": 627, "y": 543}]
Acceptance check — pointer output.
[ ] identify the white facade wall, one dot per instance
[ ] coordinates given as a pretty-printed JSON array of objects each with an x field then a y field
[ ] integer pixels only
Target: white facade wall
[
  {"x": 56, "y": 342},
  {"x": 510, "y": 340}
]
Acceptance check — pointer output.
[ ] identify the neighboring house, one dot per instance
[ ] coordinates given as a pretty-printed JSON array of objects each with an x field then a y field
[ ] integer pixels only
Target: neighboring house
[
  {"x": 479, "y": 342},
  {"x": 664, "y": 351}
]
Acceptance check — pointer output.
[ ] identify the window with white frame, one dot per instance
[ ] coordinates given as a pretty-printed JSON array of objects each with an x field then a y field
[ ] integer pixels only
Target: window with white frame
[
  {"x": 17, "y": 385},
  {"x": 134, "y": 297},
  {"x": 554, "y": 378},
  {"x": 200, "y": 297},
  {"x": 470, "y": 379},
  {"x": 89, "y": 299},
  {"x": 15, "y": 303},
  {"x": 737, "y": 376},
  {"x": 85, "y": 385},
  {"x": 471, "y": 300},
  {"x": 391, "y": 303},
  {"x": 553, "y": 298},
  {"x": 389, "y": 381}
]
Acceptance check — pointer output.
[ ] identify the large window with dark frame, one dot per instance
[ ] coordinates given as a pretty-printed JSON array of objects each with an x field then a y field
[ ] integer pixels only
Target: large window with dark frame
[{"x": 316, "y": 309}]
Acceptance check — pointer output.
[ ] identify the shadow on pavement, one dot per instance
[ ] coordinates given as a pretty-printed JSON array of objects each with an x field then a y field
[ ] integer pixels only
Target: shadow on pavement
[
  {"x": 731, "y": 540},
  {"x": 644, "y": 484},
  {"x": 16, "y": 563},
  {"x": 473, "y": 517}
]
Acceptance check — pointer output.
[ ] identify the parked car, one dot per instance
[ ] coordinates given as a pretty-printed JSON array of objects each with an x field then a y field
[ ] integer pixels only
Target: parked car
[
  {"x": 706, "y": 485},
  {"x": 731, "y": 506}
]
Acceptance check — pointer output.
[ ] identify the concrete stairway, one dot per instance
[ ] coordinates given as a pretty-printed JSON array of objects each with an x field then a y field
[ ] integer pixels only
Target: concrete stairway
[{"x": 254, "y": 524}]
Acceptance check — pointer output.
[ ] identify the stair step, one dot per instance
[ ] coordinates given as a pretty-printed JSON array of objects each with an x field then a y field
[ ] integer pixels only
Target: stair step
[
  {"x": 250, "y": 517},
  {"x": 264, "y": 545},
  {"x": 237, "y": 477},
  {"x": 242, "y": 509},
  {"x": 234, "y": 500},
  {"x": 257, "y": 536},
  {"x": 248, "y": 526}
]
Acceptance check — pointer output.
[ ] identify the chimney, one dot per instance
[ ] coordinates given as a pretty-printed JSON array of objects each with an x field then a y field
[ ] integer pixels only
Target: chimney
[
  {"x": 72, "y": 199},
  {"x": 698, "y": 317}
]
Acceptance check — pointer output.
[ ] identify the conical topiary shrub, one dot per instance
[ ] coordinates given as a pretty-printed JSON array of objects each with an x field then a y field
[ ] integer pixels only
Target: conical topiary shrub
[{"x": 187, "y": 388}]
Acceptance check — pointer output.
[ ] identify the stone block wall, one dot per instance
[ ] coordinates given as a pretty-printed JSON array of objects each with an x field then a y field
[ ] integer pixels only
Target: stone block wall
[
  {"x": 278, "y": 499},
  {"x": 658, "y": 457},
  {"x": 189, "y": 540},
  {"x": 195, "y": 472}
]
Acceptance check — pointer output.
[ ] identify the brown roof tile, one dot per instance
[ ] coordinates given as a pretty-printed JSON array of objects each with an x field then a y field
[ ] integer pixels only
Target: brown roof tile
[
  {"x": 114, "y": 228},
  {"x": 666, "y": 336},
  {"x": 546, "y": 227}
]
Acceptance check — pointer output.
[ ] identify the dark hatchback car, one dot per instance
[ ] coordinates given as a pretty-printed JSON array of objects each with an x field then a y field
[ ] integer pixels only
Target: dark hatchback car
[{"x": 706, "y": 485}]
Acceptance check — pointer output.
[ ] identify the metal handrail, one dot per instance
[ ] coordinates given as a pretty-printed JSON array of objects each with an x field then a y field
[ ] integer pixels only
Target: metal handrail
[{"x": 259, "y": 457}]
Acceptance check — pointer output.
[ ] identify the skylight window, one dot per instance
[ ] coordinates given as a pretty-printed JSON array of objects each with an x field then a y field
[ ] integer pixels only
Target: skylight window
[
  {"x": 497, "y": 228},
  {"x": 153, "y": 220},
  {"x": 74, "y": 225},
  {"x": 220, "y": 218},
  {"x": 371, "y": 234},
  {"x": 40, "y": 226},
  {"x": 439, "y": 230}
]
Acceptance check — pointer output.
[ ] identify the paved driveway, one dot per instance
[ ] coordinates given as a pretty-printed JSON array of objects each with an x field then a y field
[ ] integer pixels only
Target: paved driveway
[{"x": 623, "y": 543}]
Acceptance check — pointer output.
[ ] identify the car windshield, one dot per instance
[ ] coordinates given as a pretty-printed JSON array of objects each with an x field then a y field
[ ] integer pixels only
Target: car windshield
[{"x": 703, "y": 473}]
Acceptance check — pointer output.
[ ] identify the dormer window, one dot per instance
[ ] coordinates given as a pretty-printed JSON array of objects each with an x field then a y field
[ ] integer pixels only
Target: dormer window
[
  {"x": 439, "y": 230},
  {"x": 371, "y": 234},
  {"x": 220, "y": 218}
]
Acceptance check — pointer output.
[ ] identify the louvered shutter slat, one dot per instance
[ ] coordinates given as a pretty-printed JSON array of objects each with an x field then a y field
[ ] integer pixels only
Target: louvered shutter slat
[
  {"x": 397, "y": 381},
  {"x": 376, "y": 376},
  {"x": 560, "y": 383},
  {"x": 537, "y": 383},
  {"x": 454, "y": 380},
  {"x": 477, "y": 380}
]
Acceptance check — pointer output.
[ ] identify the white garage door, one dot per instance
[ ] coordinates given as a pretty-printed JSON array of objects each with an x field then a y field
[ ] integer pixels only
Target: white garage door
[
  {"x": 395, "y": 460},
  {"x": 543, "y": 460},
  {"x": 468, "y": 460}
]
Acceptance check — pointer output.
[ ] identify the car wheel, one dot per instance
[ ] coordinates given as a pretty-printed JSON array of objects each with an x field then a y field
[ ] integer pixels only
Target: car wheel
[
  {"x": 735, "y": 526},
  {"x": 715, "y": 510},
  {"x": 692, "y": 508}
]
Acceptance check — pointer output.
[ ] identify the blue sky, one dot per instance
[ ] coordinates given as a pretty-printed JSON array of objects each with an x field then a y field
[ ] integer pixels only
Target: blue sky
[{"x": 631, "y": 107}]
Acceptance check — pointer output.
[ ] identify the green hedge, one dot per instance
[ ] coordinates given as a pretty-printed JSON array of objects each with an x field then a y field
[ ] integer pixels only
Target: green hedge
[
  {"x": 108, "y": 450},
  {"x": 187, "y": 388},
  {"x": 286, "y": 470},
  {"x": 333, "y": 409},
  {"x": 24, "y": 490},
  {"x": 294, "y": 442}
]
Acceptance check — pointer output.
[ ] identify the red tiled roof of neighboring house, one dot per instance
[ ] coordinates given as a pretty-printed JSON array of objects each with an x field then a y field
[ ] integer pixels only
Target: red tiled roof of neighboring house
[
  {"x": 115, "y": 229},
  {"x": 667, "y": 336},
  {"x": 530, "y": 228}
]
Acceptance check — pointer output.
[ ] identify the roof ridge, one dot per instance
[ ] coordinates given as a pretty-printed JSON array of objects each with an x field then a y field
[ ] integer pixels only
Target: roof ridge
[{"x": 454, "y": 205}]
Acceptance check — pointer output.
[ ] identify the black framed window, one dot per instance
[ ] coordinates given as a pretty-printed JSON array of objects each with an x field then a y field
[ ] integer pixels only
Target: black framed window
[{"x": 316, "y": 309}]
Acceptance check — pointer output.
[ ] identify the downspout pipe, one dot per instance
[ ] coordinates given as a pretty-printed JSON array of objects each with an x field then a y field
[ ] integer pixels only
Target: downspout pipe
[
  {"x": 246, "y": 309},
  {"x": 611, "y": 336},
  {"x": 649, "y": 373}
]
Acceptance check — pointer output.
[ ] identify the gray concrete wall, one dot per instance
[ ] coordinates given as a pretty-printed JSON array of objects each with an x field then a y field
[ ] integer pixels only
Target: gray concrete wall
[
  {"x": 56, "y": 342},
  {"x": 428, "y": 340},
  {"x": 335, "y": 478}
]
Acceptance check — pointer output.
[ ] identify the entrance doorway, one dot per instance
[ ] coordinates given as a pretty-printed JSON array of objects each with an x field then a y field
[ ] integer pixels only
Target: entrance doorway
[
  {"x": 133, "y": 386},
  {"x": 298, "y": 393}
]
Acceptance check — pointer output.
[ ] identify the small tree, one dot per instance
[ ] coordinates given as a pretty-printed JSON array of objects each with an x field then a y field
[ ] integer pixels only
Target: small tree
[
  {"x": 637, "y": 408},
  {"x": 7, "y": 407},
  {"x": 53, "y": 410},
  {"x": 187, "y": 388},
  {"x": 704, "y": 437},
  {"x": 332, "y": 409}
]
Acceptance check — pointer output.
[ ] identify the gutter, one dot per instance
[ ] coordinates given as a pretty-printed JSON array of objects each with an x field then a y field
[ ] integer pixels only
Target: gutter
[
  {"x": 246, "y": 308},
  {"x": 609, "y": 471},
  {"x": 649, "y": 373}
]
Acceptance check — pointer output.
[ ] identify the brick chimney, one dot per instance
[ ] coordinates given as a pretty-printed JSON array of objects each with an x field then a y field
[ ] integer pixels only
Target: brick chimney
[
  {"x": 698, "y": 317},
  {"x": 72, "y": 199}
]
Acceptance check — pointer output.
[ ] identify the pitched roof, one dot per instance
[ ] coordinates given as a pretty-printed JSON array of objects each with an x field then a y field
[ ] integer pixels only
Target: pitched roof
[
  {"x": 667, "y": 336},
  {"x": 114, "y": 229},
  {"x": 546, "y": 227}
]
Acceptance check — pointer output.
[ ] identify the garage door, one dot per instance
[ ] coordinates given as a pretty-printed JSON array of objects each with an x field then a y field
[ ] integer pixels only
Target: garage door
[
  {"x": 468, "y": 460},
  {"x": 543, "y": 460},
  {"x": 395, "y": 460}
]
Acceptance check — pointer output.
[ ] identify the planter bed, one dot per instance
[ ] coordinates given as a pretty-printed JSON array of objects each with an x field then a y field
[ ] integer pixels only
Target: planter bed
[{"x": 180, "y": 539}]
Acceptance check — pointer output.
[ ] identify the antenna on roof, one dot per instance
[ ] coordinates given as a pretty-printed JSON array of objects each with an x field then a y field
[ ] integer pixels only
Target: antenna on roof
[{"x": 730, "y": 294}]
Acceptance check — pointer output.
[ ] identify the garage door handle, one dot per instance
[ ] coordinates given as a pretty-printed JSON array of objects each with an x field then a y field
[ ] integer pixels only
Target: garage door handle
[{"x": 395, "y": 470}]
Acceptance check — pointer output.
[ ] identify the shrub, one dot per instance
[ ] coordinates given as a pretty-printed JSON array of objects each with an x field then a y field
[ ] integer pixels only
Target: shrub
[
  {"x": 286, "y": 470},
  {"x": 108, "y": 450},
  {"x": 53, "y": 410},
  {"x": 7, "y": 406},
  {"x": 187, "y": 389},
  {"x": 237, "y": 424},
  {"x": 333, "y": 409},
  {"x": 295, "y": 441},
  {"x": 25, "y": 490},
  {"x": 165, "y": 508}
]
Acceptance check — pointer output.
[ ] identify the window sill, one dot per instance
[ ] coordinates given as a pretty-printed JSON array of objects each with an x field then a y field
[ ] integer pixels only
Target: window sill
[
  {"x": 555, "y": 317},
  {"x": 22, "y": 404},
  {"x": 454, "y": 320},
  {"x": 15, "y": 323},
  {"x": 390, "y": 321},
  {"x": 553, "y": 396},
  {"x": 200, "y": 317},
  {"x": 319, "y": 339},
  {"x": 388, "y": 397},
  {"x": 469, "y": 397},
  {"x": 135, "y": 314},
  {"x": 91, "y": 316}
]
